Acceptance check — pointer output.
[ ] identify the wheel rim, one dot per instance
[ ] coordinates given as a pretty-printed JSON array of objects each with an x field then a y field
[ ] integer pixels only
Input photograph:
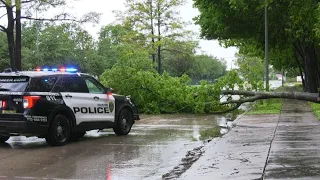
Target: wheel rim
[
  {"x": 61, "y": 131},
  {"x": 125, "y": 122}
]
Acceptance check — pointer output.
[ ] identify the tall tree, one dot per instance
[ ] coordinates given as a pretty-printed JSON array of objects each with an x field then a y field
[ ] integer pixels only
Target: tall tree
[
  {"x": 15, "y": 16},
  {"x": 62, "y": 44},
  {"x": 292, "y": 25},
  {"x": 158, "y": 20},
  {"x": 207, "y": 67}
]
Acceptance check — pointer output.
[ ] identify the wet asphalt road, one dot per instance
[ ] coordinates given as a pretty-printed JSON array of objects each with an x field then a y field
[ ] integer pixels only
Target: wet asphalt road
[{"x": 153, "y": 148}]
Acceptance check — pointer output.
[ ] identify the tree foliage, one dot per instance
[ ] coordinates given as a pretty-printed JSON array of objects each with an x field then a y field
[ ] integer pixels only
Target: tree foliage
[
  {"x": 24, "y": 10},
  {"x": 293, "y": 31},
  {"x": 207, "y": 67},
  {"x": 160, "y": 24},
  {"x": 251, "y": 69},
  {"x": 155, "y": 93}
]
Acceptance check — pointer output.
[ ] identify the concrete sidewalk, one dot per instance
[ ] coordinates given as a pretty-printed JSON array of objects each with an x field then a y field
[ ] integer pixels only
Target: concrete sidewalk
[{"x": 284, "y": 146}]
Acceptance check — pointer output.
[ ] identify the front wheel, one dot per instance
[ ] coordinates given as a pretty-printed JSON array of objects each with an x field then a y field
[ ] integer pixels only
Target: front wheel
[
  {"x": 4, "y": 138},
  {"x": 124, "y": 122},
  {"x": 59, "y": 131}
]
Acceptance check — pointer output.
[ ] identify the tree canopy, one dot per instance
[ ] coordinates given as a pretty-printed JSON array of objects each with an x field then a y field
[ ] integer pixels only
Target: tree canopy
[
  {"x": 293, "y": 31},
  {"x": 25, "y": 10}
]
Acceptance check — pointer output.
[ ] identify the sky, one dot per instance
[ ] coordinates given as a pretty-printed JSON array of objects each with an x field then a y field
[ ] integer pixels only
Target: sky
[{"x": 106, "y": 8}]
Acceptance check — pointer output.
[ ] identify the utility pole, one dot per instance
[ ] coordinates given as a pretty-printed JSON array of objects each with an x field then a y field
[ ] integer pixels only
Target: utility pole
[{"x": 266, "y": 45}]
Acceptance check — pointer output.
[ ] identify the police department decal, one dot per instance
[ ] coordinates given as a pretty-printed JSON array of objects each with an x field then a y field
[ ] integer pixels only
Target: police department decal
[{"x": 111, "y": 106}]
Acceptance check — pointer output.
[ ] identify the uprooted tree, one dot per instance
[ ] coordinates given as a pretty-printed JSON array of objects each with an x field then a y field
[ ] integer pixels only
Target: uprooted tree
[{"x": 14, "y": 13}]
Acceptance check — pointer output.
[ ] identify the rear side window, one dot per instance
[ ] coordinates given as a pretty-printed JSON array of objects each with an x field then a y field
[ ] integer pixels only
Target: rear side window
[
  {"x": 13, "y": 83},
  {"x": 71, "y": 84},
  {"x": 42, "y": 84}
]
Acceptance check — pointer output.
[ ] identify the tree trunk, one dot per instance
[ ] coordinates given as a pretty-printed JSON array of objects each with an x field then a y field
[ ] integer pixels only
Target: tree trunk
[
  {"x": 152, "y": 31},
  {"x": 296, "y": 57},
  {"x": 253, "y": 96},
  {"x": 18, "y": 36},
  {"x": 10, "y": 34},
  {"x": 307, "y": 53},
  {"x": 311, "y": 71},
  {"x": 312, "y": 97},
  {"x": 159, "y": 39},
  {"x": 282, "y": 79},
  {"x": 159, "y": 60}
]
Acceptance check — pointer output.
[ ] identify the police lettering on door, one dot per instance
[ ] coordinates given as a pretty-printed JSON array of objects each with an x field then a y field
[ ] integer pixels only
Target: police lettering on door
[{"x": 91, "y": 110}]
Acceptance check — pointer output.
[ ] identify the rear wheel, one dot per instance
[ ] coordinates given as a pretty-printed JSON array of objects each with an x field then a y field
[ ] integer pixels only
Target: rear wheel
[
  {"x": 76, "y": 135},
  {"x": 124, "y": 122},
  {"x": 4, "y": 138},
  {"x": 59, "y": 131}
]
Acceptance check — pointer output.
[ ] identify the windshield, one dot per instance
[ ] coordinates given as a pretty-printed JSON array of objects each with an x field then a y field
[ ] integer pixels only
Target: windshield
[{"x": 16, "y": 84}]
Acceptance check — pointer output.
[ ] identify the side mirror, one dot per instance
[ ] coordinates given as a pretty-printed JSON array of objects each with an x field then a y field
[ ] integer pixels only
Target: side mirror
[{"x": 109, "y": 91}]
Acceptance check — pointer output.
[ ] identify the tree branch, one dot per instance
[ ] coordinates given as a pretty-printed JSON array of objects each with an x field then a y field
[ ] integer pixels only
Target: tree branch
[
  {"x": 3, "y": 15},
  {"x": 251, "y": 99},
  {"x": 53, "y": 19},
  {"x": 3, "y": 29},
  {"x": 228, "y": 110},
  {"x": 312, "y": 97},
  {"x": 22, "y": 2}
]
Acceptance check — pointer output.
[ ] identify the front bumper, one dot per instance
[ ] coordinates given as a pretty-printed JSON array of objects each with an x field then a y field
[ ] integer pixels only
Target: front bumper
[
  {"x": 18, "y": 124},
  {"x": 136, "y": 117}
]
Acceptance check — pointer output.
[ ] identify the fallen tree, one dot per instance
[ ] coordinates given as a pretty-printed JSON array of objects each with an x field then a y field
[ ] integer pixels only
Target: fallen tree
[{"x": 251, "y": 96}]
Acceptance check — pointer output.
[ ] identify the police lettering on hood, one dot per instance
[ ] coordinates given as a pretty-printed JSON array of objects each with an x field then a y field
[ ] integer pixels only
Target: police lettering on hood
[{"x": 91, "y": 110}]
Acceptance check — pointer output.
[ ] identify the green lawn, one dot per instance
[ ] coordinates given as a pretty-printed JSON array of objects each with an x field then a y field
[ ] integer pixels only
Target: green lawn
[
  {"x": 270, "y": 106},
  {"x": 316, "y": 109}
]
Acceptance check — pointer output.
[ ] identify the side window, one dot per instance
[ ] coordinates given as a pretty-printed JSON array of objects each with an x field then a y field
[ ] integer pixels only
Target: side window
[
  {"x": 94, "y": 87},
  {"x": 42, "y": 84},
  {"x": 71, "y": 84}
]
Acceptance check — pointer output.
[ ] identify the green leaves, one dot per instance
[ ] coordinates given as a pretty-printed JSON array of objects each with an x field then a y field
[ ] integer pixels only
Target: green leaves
[
  {"x": 251, "y": 69},
  {"x": 154, "y": 93}
]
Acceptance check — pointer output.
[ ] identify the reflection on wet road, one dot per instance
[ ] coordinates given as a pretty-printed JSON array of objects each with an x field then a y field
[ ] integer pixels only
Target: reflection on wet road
[{"x": 154, "y": 147}]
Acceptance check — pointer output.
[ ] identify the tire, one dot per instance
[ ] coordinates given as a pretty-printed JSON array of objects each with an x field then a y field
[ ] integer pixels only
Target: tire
[
  {"x": 124, "y": 123},
  {"x": 59, "y": 131},
  {"x": 4, "y": 138},
  {"x": 75, "y": 136}
]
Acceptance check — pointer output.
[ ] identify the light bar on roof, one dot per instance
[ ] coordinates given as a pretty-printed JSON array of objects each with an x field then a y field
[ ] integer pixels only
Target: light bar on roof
[{"x": 71, "y": 70}]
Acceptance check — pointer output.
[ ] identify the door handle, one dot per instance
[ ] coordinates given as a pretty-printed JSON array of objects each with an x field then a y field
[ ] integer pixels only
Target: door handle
[
  {"x": 68, "y": 96},
  {"x": 96, "y": 98}
]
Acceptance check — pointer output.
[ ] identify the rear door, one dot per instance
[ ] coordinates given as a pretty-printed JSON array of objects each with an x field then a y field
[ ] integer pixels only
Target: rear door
[
  {"x": 75, "y": 94},
  {"x": 103, "y": 104}
]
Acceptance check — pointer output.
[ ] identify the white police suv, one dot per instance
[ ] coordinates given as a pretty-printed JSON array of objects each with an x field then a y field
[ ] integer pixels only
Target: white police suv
[{"x": 60, "y": 105}]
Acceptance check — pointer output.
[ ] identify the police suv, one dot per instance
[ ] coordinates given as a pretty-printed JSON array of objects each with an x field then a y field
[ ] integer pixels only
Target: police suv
[{"x": 60, "y": 105}]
